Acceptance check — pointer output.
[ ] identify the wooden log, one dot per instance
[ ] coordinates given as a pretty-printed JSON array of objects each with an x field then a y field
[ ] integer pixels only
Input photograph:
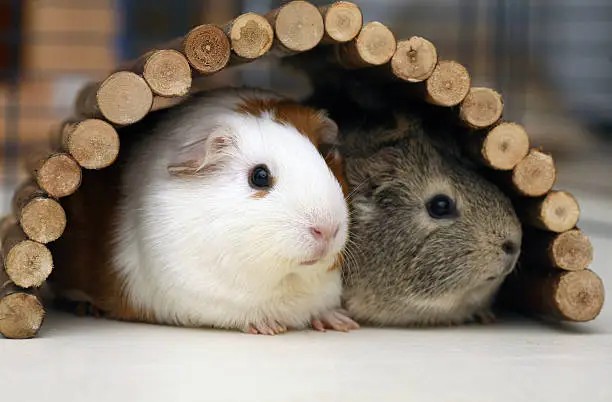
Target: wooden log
[
  {"x": 41, "y": 218},
  {"x": 568, "y": 251},
  {"x": 93, "y": 143},
  {"x": 251, "y": 36},
  {"x": 342, "y": 21},
  {"x": 27, "y": 263},
  {"x": 448, "y": 84},
  {"x": 533, "y": 176},
  {"x": 576, "y": 296},
  {"x": 414, "y": 59},
  {"x": 500, "y": 148},
  {"x": 122, "y": 98},
  {"x": 206, "y": 47},
  {"x": 481, "y": 108},
  {"x": 160, "y": 102},
  {"x": 557, "y": 211},
  {"x": 21, "y": 312},
  {"x": 58, "y": 174},
  {"x": 374, "y": 46},
  {"x": 167, "y": 72},
  {"x": 298, "y": 27}
]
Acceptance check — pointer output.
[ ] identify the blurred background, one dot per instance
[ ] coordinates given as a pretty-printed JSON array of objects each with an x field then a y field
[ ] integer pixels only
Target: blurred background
[{"x": 550, "y": 59}]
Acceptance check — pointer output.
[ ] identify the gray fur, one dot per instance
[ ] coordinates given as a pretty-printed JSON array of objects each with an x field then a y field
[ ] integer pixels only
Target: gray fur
[{"x": 403, "y": 267}]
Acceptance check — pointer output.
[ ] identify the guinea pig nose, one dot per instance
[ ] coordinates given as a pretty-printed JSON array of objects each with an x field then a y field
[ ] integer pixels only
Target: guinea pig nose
[
  {"x": 510, "y": 247},
  {"x": 316, "y": 232},
  {"x": 324, "y": 232}
]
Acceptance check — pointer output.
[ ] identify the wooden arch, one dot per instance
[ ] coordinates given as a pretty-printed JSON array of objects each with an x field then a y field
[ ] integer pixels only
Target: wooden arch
[{"x": 558, "y": 284}]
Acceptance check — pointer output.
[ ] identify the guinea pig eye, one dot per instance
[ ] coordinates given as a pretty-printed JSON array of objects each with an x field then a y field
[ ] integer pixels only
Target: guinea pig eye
[
  {"x": 441, "y": 207},
  {"x": 260, "y": 177}
]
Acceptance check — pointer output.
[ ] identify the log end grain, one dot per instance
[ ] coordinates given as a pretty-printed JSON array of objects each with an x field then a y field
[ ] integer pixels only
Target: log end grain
[
  {"x": 59, "y": 175},
  {"x": 43, "y": 220},
  {"x": 558, "y": 212},
  {"x": 299, "y": 26},
  {"x": 504, "y": 146},
  {"x": 207, "y": 48},
  {"x": 376, "y": 44},
  {"x": 93, "y": 143},
  {"x": 28, "y": 263},
  {"x": 448, "y": 85},
  {"x": 21, "y": 315},
  {"x": 414, "y": 59},
  {"x": 481, "y": 108},
  {"x": 124, "y": 98},
  {"x": 578, "y": 296},
  {"x": 168, "y": 73},
  {"x": 343, "y": 21},
  {"x": 571, "y": 251},
  {"x": 535, "y": 175},
  {"x": 251, "y": 35}
]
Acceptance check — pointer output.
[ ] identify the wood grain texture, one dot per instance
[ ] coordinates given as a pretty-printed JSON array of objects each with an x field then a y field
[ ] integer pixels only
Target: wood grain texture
[
  {"x": 207, "y": 48},
  {"x": 534, "y": 175},
  {"x": 298, "y": 27},
  {"x": 448, "y": 84},
  {"x": 558, "y": 211},
  {"x": 21, "y": 312},
  {"x": 41, "y": 218},
  {"x": 500, "y": 148},
  {"x": 569, "y": 251},
  {"x": 342, "y": 20},
  {"x": 414, "y": 59},
  {"x": 57, "y": 173},
  {"x": 93, "y": 143},
  {"x": 481, "y": 108},
  {"x": 374, "y": 46},
  {"x": 167, "y": 72},
  {"x": 122, "y": 98},
  {"x": 27, "y": 263},
  {"x": 251, "y": 36},
  {"x": 575, "y": 296}
]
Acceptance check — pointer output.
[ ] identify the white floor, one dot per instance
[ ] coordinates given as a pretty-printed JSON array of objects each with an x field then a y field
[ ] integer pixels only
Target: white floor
[{"x": 82, "y": 359}]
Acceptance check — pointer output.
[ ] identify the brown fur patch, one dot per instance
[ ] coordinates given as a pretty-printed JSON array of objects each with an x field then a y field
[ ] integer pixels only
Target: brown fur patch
[
  {"x": 82, "y": 256},
  {"x": 256, "y": 107},
  {"x": 306, "y": 120},
  {"x": 336, "y": 165},
  {"x": 337, "y": 265},
  {"x": 259, "y": 194}
]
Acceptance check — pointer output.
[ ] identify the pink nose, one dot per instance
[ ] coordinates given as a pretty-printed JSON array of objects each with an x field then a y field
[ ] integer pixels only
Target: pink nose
[{"x": 324, "y": 232}]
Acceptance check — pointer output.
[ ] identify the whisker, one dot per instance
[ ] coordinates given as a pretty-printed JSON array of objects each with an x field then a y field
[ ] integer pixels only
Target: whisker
[{"x": 350, "y": 195}]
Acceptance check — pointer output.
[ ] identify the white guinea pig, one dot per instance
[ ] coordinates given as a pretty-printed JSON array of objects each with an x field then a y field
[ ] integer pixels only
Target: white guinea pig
[{"x": 230, "y": 217}]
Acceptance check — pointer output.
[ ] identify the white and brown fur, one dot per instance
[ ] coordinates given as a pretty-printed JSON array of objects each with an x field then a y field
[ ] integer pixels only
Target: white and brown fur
[{"x": 173, "y": 234}]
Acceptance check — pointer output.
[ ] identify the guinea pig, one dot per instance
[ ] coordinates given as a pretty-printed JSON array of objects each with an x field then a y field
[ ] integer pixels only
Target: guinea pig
[
  {"x": 228, "y": 216},
  {"x": 431, "y": 239}
]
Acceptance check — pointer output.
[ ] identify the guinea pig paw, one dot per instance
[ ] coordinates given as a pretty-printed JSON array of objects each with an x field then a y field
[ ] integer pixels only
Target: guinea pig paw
[
  {"x": 266, "y": 328},
  {"x": 337, "y": 320},
  {"x": 485, "y": 317}
]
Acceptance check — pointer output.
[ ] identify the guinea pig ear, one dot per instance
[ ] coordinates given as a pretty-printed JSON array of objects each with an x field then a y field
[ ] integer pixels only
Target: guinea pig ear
[
  {"x": 327, "y": 133},
  {"x": 203, "y": 155},
  {"x": 328, "y": 130}
]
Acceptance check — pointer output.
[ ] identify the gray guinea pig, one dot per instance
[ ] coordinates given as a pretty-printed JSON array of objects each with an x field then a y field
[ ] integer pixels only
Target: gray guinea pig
[{"x": 431, "y": 239}]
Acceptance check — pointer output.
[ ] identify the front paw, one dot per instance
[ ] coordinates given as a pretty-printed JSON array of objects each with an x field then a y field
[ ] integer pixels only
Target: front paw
[
  {"x": 270, "y": 327},
  {"x": 485, "y": 317},
  {"x": 337, "y": 320}
]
